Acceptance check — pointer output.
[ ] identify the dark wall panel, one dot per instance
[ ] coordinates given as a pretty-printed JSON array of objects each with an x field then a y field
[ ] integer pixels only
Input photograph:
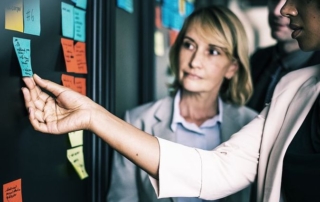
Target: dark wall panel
[{"x": 39, "y": 160}]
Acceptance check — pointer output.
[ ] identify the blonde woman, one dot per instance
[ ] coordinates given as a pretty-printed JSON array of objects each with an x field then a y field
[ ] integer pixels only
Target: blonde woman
[{"x": 212, "y": 82}]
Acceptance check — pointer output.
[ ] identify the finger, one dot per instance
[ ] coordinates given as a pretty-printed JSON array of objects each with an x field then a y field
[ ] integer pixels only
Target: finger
[
  {"x": 27, "y": 98},
  {"x": 36, "y": 95},
  {"x": 50, "y": 86}
]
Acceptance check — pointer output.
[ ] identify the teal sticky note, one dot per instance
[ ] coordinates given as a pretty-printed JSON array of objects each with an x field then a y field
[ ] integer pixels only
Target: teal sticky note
[
  {"x": 32, "y": 17},
  {"x": 23, "y": 52},
  {"x": 126, "y": 5},
  {"x": 82, "y": 4},
  {"x": 79, "y": 25},
  {"x": 67, "y": 20}
]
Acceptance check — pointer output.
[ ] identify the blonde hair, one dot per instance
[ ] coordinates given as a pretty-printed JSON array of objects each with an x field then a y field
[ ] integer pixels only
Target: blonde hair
[{"x": 227, "y": 29}]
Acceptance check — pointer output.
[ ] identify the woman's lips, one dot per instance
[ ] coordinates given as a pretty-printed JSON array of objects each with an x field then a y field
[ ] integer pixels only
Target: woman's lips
[
  {"x": 192, "y": 76},
  {"x": 296, "y": 30},
  {"x": 296, "y": 33}
]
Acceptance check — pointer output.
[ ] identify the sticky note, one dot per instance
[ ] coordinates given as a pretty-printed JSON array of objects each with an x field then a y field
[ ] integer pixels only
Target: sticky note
[
  {"x": 158, "y": 43},
  {"x": 80, "y": 56},
  {"x": 166, "y": 17},
  {"x": 177, "y": 21},
  {"x": 67, "y": 81},
  {"x": 79, "y": 25},
  {"x": 32, "y": 17},
  {"x": 69, "y": 57},
  {"x": 81, "y": 3},
  {"x": 173, "y": 34},
  {"x": 76, "y": 158},
  {"x": 158, "y": 17},
  {"x": 12, "y": 191},
  {"x": 126, "y": 5},
  {"x": 67, "y": 19},
  {"x": 76, "y": 138},
  {"x": 182, "y": 7},
  {"x": 14, "y": 15},
  {"x": 23, "y": 52},
  {"x": 80, "y": 85}
]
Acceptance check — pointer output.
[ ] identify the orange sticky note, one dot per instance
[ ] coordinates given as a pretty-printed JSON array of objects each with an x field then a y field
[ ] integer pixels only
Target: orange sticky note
[
  {"x": 158, "y": 17},
  {"x": 80, "y": 52},
  {"x": 173, "y": 35},
  {"x": 68, "y": 81},
  {"x": 80, "y": 85},
  {"x": 69, "y": 57},
  {"x": 12, "y": 191}
]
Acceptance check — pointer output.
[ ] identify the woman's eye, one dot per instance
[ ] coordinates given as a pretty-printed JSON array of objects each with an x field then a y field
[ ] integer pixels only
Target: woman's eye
[
  {"x": 187, "y": 45},
  {"x": 213, "y": 52}
]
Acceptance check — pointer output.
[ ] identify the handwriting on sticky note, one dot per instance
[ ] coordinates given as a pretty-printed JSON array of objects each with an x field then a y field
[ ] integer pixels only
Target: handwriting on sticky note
[
  {"x": 80, "y": 56},
  {"x": 80, "y": 85},
  {"x": 67, "y": 20},
  {"x": 68, "y": 81},
  {"x": 12, "y": 191},
  {"x": 79, "y": 25},
  {"x": 76, "y": 158},
  {"x": 68, "y": 52},
  {"x": 14, "y": 15},
  {"x": 76, "y": 138},
  {"x": 32, "y": 17},
  {"x": 23, "y": 52}
]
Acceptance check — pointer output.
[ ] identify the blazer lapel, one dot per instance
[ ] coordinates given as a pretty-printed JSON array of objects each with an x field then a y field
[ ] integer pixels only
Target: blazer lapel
[
  {"x": 164, "y": 116},
  {"x": 296, "y": 113},
  {"x": 229, "y": 124}
]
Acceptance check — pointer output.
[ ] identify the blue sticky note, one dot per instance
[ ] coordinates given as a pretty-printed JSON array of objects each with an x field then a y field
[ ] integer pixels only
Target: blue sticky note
[
  {"x": 81, "y": 4},
  {"x": 23, "y": 52},
  {"x": 67, "y": 20},
  {"x": 171, "y": 5},
  {"x": 189, "y": 8},
  {"x": 126, "y": 5},
  {"x": 79, "y": 25},
  {"x": 177, "y": 21},
  {"x": 166, "y": 17},
  {"x": 32, "y": 17}
]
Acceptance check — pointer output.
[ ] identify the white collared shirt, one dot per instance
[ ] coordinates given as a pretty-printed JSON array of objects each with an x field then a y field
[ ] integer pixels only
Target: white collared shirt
[{"x": 206, "y": 137}]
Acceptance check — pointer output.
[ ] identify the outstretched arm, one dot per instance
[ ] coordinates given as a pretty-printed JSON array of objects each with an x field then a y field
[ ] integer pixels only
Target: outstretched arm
[{"x": 66, "y": 110}]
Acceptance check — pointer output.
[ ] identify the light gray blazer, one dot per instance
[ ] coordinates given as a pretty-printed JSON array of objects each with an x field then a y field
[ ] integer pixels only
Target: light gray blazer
[
  {"x": 257, "y": 149},
  {"x": 131, "y": 184}
]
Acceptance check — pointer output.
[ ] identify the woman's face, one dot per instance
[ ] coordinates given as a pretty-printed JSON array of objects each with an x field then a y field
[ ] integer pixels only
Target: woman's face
[
  {"x": 304, "y": 21},
  {"x": 203, "y": 65}
]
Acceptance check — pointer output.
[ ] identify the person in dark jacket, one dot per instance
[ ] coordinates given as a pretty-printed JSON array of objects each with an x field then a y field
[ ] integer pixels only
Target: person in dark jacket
[{"x": 270, "y": 64}]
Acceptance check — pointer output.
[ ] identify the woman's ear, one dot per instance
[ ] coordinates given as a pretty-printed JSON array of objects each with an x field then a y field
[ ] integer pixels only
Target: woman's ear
[{"x": 232, "y": 69}]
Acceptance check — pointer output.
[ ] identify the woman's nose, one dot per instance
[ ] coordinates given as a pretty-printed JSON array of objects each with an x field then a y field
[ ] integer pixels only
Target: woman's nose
[
  {"x": 196, "y": 60},
  {"x": 289, "y": 9}
]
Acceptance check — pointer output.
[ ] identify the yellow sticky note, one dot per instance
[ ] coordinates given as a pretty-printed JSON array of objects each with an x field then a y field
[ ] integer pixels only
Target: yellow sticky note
[
  {"x": 14, "y": 16},
  {"x": 159, "y": 43},
  {"x": 76, "y": 138},
  {"x": 75, "y": 156}
]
